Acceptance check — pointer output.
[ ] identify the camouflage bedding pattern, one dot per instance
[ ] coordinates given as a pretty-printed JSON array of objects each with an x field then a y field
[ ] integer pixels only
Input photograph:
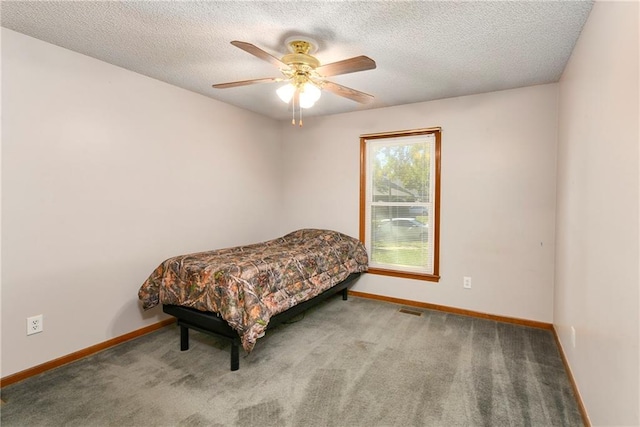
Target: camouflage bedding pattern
[{"x": 247, "y": 285}]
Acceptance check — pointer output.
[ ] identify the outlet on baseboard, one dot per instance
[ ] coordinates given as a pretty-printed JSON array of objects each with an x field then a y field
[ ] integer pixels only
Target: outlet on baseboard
[{"x": 35, "y": 324}]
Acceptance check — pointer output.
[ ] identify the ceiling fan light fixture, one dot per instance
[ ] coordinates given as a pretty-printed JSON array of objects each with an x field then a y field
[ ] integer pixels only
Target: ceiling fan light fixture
[
  {"x": 309, "y": 94},
  {"x": 285, "y": 93}
]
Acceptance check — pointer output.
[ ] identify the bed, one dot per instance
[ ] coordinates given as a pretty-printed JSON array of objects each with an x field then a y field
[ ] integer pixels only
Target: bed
[{"x": 238, "y": 293}]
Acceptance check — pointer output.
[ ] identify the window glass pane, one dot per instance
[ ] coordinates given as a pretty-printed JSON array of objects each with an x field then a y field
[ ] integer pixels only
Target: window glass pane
[
  {"x": 398, "y": 239},
  {"x": 401, "y": 168}
]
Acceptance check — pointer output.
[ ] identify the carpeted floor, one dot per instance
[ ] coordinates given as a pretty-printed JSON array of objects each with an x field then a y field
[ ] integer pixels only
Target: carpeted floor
[{"x": 346, "y": 363}]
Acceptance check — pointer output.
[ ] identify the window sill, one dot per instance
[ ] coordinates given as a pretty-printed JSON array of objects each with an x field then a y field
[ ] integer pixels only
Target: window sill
[{"x": 404, "y": 274}]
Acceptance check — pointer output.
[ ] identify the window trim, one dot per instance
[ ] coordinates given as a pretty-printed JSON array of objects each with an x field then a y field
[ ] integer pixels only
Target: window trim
[{"x": 436, "y": 131}]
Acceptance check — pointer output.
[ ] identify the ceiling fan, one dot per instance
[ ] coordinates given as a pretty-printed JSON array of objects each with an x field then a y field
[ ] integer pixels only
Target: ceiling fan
[{"x": 304, "y": 74}]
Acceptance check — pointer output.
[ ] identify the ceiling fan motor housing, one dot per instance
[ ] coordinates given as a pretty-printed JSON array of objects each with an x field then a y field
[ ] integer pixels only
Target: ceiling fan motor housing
[{"x": 300, "y": 59}]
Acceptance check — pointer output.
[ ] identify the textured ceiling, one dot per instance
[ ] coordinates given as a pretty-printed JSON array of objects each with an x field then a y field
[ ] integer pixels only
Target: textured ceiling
[{"x": 424, "y": 50}]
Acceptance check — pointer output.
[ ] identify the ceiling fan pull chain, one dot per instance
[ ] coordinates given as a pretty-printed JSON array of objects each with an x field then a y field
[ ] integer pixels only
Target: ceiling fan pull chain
[
  {"x": 300, "y": 109},
  {"x": 293, "y": 111}
]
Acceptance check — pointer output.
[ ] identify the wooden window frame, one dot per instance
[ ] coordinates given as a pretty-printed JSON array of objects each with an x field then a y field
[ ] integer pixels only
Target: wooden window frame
[{"x": 437, "y": 132}]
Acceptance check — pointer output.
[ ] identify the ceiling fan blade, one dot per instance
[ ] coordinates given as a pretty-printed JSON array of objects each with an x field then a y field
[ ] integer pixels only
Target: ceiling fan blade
[
  {"x": 256, "y": 51},
  {"x": 246, "y": 82},
  {"x": 351, "y": 65},
  {"x": 347, "y": 92}
]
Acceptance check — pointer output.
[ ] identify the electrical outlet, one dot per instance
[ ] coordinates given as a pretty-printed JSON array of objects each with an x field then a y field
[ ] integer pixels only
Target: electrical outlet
[
  {"x": 573, "y": 337},
  {"x": 466, "y": 282},
  {"x": 34, "y": 324}
]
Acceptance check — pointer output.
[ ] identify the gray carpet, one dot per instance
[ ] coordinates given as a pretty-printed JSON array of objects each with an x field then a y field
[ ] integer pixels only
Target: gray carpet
[{"x": 346, "y": 363}]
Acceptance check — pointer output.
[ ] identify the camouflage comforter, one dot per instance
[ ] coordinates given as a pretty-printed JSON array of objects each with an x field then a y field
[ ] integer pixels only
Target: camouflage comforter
[{"x": 247, "y": 285}]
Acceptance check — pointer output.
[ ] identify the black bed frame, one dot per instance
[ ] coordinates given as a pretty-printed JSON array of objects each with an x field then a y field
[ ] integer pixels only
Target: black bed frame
[{"x": 212, "y": 324}]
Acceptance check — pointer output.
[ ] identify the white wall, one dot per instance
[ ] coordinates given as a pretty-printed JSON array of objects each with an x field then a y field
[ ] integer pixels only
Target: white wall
[
  {"x": 105, "y": 173},
  {"x": 597, "y": 218},
  {"x": 498, "y": 194}
]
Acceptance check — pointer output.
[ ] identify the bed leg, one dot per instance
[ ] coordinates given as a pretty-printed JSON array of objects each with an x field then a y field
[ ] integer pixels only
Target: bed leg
[
  {"x": 345, "y": 293},
  {"x": 235, "y": 355},
  {"x": 184, "y": 338}
]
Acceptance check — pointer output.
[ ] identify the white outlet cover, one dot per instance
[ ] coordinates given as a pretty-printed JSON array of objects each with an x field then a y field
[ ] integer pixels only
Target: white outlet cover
[{"x": 34, "y": 324}]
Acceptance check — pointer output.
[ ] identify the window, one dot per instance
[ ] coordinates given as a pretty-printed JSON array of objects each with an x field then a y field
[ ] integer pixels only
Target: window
[{"x": 399, "y": 202}]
